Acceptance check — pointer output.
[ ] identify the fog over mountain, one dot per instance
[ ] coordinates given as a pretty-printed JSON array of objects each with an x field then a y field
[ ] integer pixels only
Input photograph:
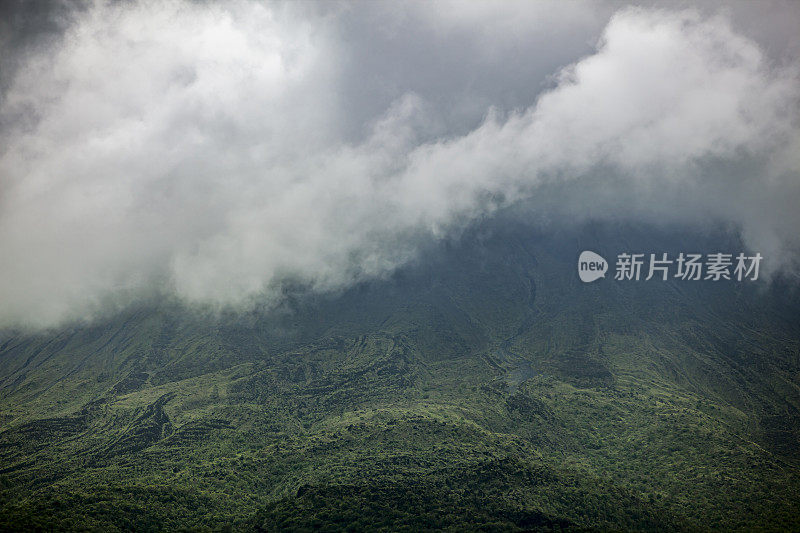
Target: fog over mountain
[{"x": 214, "y": 151}]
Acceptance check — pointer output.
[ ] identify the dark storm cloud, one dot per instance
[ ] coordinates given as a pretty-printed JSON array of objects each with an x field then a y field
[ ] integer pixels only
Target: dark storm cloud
[{"x": 214, "y": 150}]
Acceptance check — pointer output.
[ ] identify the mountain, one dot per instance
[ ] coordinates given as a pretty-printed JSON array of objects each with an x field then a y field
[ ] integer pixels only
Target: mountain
[{"x": 482, "y": 387}]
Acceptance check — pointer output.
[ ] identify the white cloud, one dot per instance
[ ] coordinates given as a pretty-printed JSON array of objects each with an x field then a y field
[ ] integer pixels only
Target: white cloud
[{"x": 206, "y": 150}]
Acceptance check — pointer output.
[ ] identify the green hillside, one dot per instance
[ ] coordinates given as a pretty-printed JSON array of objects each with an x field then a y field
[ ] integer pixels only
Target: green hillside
[{"x": 483, "y": 387}]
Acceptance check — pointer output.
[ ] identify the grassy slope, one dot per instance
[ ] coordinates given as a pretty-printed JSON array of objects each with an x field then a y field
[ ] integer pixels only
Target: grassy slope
[{"x": 485, "y": 389}]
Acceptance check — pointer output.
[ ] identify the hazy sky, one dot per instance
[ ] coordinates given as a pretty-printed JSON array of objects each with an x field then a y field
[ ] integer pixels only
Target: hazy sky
[{"x": 212, "y": 151}]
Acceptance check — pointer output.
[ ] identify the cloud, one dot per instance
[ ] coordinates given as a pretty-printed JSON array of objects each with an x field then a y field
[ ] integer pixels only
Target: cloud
[{"x": 216, "y": 151}]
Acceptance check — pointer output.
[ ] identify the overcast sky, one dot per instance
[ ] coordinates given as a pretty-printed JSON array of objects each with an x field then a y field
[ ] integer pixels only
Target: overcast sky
[{"x": 211, "y": 151}]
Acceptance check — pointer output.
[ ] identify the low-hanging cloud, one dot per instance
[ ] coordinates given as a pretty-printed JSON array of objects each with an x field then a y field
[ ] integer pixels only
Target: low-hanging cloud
[{"x": 208, "y": 150}]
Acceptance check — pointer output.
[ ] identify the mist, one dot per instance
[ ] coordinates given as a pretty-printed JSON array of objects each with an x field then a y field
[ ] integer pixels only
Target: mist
[{"x": 213, "y": 152}]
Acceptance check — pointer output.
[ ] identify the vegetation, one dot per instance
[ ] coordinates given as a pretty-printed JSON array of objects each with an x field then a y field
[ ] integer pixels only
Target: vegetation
[{"x": 483, "y": 389}]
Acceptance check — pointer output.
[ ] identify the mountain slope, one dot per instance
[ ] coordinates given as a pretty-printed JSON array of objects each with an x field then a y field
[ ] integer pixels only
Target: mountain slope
[{"x": 483, "y": 387}]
